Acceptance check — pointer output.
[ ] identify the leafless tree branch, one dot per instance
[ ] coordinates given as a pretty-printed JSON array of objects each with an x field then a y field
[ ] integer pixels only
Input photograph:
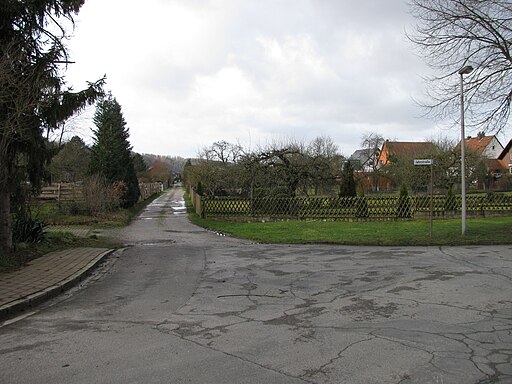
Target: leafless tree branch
[{"x": 453, "y": 33}]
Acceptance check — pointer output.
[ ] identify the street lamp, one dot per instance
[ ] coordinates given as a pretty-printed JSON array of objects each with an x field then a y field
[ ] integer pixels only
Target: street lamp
[{"x": 463, "y": 71}]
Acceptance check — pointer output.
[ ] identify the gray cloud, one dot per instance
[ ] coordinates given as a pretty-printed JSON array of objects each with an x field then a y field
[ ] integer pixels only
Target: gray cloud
[{"x": 188, "y": 73}]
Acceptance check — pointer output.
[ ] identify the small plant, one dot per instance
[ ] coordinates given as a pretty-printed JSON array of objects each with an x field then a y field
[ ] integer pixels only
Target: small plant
[{"x": 26, "y": 229}]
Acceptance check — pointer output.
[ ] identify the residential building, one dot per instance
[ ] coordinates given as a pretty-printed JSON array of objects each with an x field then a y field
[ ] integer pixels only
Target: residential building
[
  {"x": 398, "y": 149},
  {"x": 505, "y": 157},
  {"x": 497, "y": 158},
  {"x": 489, "y": 147},
  {"x": 361, "y": 160}
]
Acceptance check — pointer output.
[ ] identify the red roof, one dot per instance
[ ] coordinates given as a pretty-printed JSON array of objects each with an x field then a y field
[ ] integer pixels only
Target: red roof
[
  {"x": 403, "y": 149},
  {"x": 407, "y": 147},
  {"x": 477, "y": 144}
]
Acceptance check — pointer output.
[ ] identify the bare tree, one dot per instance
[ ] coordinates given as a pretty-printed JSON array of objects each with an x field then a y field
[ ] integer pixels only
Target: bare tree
[
  {"x": 451, "y": 34},
  {"x": 372, "y": 143},
  {"x": 222, "y": 151},
  {"x": 282, "y": 168},
  {"x": 324, "y": 164}
]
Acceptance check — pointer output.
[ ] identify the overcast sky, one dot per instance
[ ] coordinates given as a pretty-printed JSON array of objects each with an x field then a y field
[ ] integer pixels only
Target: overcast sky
[{"x": 188, "y": 73}]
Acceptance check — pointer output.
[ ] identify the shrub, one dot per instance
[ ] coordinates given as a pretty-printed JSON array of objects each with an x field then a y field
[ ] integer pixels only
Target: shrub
[
  {"x": 199, "y": 189},
  {"x": 99, "y": 196},
  {"x": 26, "y": 229},
  {"x": 404, "y": 203}
]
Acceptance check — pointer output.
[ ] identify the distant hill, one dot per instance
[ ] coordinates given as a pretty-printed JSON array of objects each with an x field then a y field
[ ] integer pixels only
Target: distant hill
[{"x": 176, "y": 163}]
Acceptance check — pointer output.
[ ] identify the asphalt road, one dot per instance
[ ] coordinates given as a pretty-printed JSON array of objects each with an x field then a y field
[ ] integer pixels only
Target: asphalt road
[{"x": 184, "y": 305}]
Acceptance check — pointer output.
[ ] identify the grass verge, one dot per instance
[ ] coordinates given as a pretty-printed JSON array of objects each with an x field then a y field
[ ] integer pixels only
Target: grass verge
[
  {"x": 399, "y": 233},
  {"x": 51, "y": 213}
]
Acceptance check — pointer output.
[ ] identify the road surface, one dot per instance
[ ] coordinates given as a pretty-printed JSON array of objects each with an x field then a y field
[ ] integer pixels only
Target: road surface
[{"x": 184, "y": 305}]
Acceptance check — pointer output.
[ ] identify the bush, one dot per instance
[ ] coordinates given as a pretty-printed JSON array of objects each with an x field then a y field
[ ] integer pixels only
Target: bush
[
  {"x": 26, "y": 229},
  {"x": 99, "y": 196},
  {"x": 404, "y": 203},
  {"x": 199, "y": 189}
]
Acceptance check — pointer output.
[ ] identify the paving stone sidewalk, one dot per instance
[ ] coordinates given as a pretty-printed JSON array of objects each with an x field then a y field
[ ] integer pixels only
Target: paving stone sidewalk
[
  {"x": 46, "y": 277},
  {"x": 77, "y": 230}
]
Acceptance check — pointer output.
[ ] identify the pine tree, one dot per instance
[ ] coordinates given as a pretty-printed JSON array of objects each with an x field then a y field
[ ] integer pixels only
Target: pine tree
[
  {"x": 111, "y": 151},
  {"x": 33, "y": 96}
]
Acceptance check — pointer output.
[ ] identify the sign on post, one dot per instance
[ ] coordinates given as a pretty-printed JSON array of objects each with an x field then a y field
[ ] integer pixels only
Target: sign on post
[
  {"x": 431, "y": 163},
  {"x": 423, "y": 162}
]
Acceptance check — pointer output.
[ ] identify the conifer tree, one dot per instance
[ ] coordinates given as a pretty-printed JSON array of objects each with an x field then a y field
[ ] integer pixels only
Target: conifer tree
[
  {"x": 33, "y": 96},
  {"x": 348, "y": 184},
  {"x": 111, "y": 151}
]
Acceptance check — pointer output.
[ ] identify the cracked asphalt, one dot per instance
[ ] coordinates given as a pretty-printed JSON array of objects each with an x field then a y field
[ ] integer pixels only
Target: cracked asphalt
[{"x": 184, "y": 305}]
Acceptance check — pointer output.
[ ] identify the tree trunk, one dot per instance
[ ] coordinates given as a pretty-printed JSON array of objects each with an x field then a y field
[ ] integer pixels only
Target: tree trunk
[{"x": 5, "y": 223}]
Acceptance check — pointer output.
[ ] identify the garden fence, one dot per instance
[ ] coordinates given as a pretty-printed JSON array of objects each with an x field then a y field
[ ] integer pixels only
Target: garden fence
[
  {"x": 73, "y": 192},
  {"x": 371, "y": 207}
]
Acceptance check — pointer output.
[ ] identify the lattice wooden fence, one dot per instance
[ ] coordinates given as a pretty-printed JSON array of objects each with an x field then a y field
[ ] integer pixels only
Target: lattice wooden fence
[{"x": 367, "y": 207}]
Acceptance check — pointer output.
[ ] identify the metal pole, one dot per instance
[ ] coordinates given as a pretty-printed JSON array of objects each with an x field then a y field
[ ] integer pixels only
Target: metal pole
[
  {"x": 463, "y": 71},
  {"x": 431, "y": 196},
  {"x": 462, "y": 155}
]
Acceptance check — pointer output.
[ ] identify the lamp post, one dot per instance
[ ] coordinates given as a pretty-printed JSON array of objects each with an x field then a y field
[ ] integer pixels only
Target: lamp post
[{"x": 463, "y": 71}]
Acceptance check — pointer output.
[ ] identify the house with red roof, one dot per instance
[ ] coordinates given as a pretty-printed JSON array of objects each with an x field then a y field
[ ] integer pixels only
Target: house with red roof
[
  {"x": 498, "y": 159},
  {"x": 396, "y": 149},
  {"x": 489, "y": 147}
]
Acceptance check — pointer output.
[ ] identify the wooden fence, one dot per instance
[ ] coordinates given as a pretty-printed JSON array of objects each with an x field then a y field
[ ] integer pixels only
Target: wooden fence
[
  {"x": 62, "y": 192},
  {"x": 372, "y": 207},
  {"x": 196, "y": 201},
  {"x": 68, "y": 192},
  {"x": 149, "y": 189}
]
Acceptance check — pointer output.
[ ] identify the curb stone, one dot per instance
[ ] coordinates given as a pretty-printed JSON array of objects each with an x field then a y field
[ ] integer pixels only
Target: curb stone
[{"x": 7, "y": 310}]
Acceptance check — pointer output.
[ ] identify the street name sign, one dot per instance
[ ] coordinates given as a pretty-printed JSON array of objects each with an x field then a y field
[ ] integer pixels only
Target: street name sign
[{"x": 423, "y": 162}]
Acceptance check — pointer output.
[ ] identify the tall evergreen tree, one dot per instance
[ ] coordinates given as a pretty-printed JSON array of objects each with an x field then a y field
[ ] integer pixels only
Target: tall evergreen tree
[
  {"x": 111, "y": 151},
  {"x": 33, "y": 96}
]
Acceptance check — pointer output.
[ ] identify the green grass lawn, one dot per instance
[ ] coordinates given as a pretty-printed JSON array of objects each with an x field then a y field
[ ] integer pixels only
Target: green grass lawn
[
  {"x": 53, "y": 214},
  {"x": 445, "y": 232}
]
